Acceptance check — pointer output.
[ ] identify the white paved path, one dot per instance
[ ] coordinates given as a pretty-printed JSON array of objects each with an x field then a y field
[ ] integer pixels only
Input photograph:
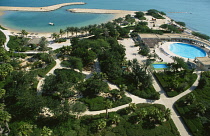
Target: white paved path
[
  {"x": 168, "y": 102},
  {"x": 6, "y": 33}
]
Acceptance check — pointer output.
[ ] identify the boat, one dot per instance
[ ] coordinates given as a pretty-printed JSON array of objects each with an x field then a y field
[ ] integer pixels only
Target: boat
[{"x": 50, "y": 23}]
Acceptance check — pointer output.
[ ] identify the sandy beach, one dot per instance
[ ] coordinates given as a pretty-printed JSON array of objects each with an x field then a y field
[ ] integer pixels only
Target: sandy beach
[
  {"x": 39, "y": 9},
  {"x": 48, "y": 34},
  {"x": 116, "y": 13}
]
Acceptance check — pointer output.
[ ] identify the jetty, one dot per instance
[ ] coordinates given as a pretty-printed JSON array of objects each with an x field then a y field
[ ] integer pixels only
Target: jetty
[
  {"x": 39, "y": 9},
  {"x": 100, "y": 11}
]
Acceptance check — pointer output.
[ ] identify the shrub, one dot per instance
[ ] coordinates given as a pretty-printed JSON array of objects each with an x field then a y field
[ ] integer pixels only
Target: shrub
[
  {"x": 202, "y": 94},
  {"x": 167, "y": 81},
  {"x": 73, "y": 62},
  {"x": 44, "y": 71},
  {"x": 60, "y": 40},
  {"x": 203, "y": 36},
  {"x": 144, "y": 51},
  {"x": 2, "y": 28},
  {"x": 94, "y": 104},
  {"x": 155, "y": 13},
  {"x": 2, "y": 38},
  {"x": 97, "y": 103},
  {"x": 181, "y": 23}
]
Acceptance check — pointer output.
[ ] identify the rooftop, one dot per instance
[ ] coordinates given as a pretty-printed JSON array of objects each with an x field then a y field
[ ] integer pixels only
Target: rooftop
[
  {"x": 170, "y": 36},
  {"x": 34, "y": 41},
  {"x": 204, "y": 60}
]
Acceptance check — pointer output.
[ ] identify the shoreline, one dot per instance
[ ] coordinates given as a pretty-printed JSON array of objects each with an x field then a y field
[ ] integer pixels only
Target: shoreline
[
  {"x": 39, "y": 9},
  {"x": 48, "y": 34}
]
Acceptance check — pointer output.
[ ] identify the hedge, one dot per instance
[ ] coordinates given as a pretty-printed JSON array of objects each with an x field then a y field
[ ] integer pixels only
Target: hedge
[
  {"x": 194, "y": 123},
  {"x": 2, "y": 37},
  {"x": 1, "y": 27},
  {"x": 44, "y": 71},
  {"x": 97, "y": 103},
  {"x": 161, "y": 76}
]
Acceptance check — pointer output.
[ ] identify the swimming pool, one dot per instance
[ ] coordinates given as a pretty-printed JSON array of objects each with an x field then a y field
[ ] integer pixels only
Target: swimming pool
[
  {"x": 187, "y": 50},
  {"x": 159, "y": 66}
]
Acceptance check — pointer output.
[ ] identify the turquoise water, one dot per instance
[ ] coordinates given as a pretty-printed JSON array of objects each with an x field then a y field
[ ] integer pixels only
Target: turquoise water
[
  {"x": 159, "y": 65},
  {"x": 198, "y": 20},
  {"x": 187, "y": 50},
  {"x": 38, "y": 21}
]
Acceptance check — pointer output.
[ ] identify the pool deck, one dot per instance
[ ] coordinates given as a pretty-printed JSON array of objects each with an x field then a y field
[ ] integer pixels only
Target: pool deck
[{"x": 167, "y": 55}]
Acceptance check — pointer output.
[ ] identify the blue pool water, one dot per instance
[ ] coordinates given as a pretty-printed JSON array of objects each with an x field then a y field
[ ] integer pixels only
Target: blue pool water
[
  {"x": 198, "y": 20},
  {"x": 159, "y": 65},
  {"x": 187, "y": 50}
]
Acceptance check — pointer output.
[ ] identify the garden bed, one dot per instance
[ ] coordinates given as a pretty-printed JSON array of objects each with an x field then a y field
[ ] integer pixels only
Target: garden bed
[{"x": 175, "y": 83}]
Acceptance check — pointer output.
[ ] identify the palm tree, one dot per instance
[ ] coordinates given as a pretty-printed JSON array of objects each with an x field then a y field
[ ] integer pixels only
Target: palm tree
[
  {"x": 86, "y": 29},
  {"x": 4, "y": 119},
  {"x": 24, "y": 32},
  {"x": 46, "y": 131},
  {"x": 82, "y": 30},
  {"x": 66, "y": 50},
  {"x": 116, "y": 119},
  {"x": 11, "y": 51},
  {"x": 101, "y": 124},
  {"x": 123, "y": 87},
  {"x": 2, "y": 93},
  {"x": 2, "y": 41},
  {"x": 132, "y": 107},
  {"x": 76, "y": 30},
  {"x": 24, "y": 41},
  {"x": 143, "y": 112},
  {"x": 200, "y": 108},
  {"x": 167, "y": 114},
  {"x": 72, "y": 30},
  {"x": 62, "y": 32},
  {"x": 68, "y": 30},
  {"x": 108, "y": 104},
  {"x": 43, "y": 44},
  {"x": 190, "y": 99},
  {"x": 160, "y": 117},
  {"x": 106, "y": 33},
  {"x": 89, "y": 28},
  {"x": 25, "y": 129},
  {"x": 54, "y": 36},
  {"x": 147, "y": 64}
]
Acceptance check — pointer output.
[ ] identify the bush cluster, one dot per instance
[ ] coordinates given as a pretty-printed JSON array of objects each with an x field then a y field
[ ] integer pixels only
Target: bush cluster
[
  {"x": 194, "y": 108},
  {"x": 175, "y": 83}
]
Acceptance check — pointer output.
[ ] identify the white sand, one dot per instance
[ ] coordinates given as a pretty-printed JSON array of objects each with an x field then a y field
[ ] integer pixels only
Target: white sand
[
  {"x": 48, "y": 8},
  {"x": 101, "y": 11}
]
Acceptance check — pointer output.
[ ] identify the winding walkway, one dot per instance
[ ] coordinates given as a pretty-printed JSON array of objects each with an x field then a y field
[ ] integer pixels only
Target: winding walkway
[
  {"x": 130, "y": 49},
  {"x": 168, "y": 102},
  {"x": 6, "y": 33},
  {"x": 164, "y": 100}
]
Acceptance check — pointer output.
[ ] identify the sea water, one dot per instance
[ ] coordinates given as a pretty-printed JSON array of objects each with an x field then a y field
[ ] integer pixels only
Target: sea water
[{"x": 196, "y": 16}]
